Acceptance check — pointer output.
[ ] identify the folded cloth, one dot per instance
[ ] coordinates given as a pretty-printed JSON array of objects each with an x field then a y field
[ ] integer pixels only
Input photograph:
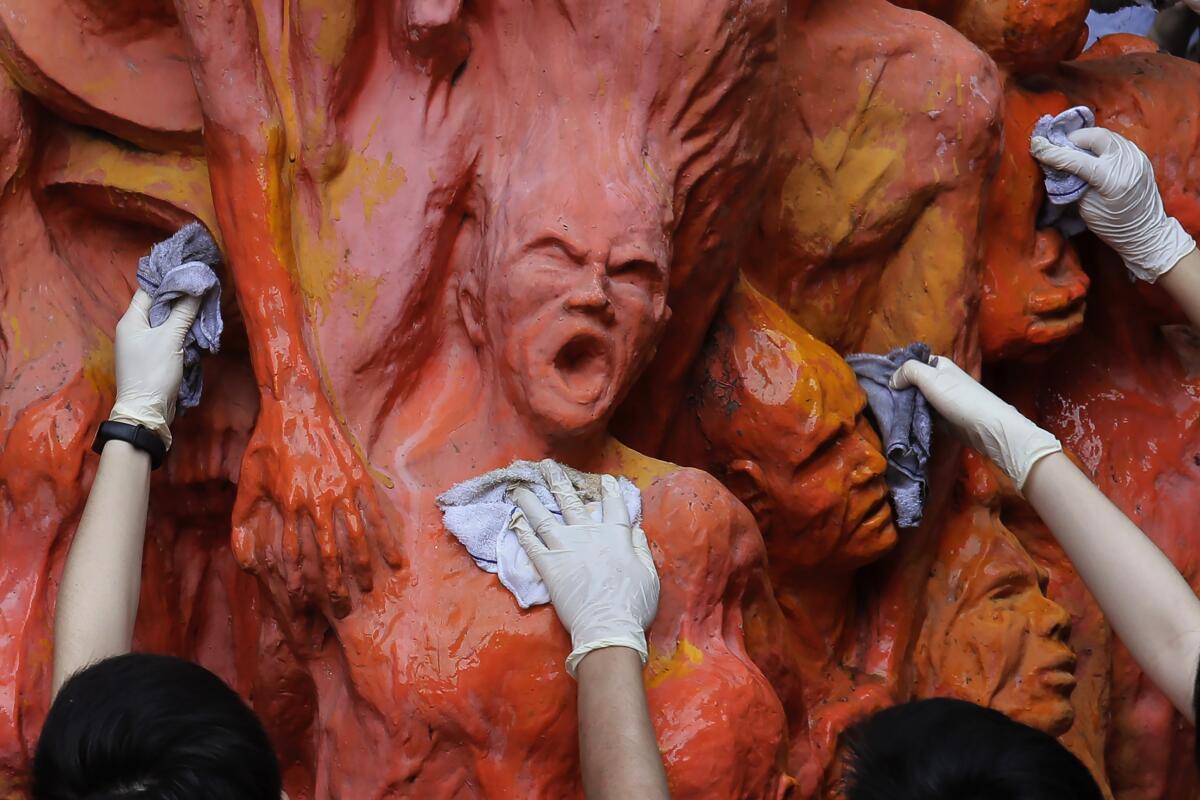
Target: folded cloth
[
  {"x": 183, "y": 266},
  {"x": 905, "y": 425},
  {"x": 478, "y": 512},
  {"x": 1062, "y": 187}
]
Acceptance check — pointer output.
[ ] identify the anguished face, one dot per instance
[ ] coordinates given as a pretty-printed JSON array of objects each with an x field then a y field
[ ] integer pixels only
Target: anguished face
[{"x": 574, "y": 299}]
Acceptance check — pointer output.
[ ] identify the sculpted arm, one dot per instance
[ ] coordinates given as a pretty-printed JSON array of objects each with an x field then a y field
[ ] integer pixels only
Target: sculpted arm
[{"x": 1149, "y": 604}]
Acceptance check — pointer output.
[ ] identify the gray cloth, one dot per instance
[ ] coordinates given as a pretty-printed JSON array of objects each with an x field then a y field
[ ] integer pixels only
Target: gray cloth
[
  {"x": 178, "y": 267},
  {"x": 1063, "y": 188},
  {"x": 905, "y": 425},
  {"x": 479, "y": 511}
]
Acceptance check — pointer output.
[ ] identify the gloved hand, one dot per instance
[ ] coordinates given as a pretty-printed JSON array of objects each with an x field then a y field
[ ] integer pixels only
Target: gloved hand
[
  {"x": 150, "y": 364},
  {"x": 987, "y": 423},
  {"x": 1194, "y": 5},
  {"x": 1123, "y": 206},
  {"x": 600, "y": 575}
]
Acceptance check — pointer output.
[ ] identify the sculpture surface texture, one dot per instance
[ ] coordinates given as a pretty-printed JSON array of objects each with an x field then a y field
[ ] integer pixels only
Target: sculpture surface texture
[{"x": 636, "y": 237}]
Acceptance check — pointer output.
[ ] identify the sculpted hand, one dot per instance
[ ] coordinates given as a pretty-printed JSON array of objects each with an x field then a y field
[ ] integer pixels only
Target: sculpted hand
[
  {"x": 1123, "y": 206},
  {"x": 600, "y": 575},
  {"x": 150, "y": 364},
  {"x": 987, "y": 423}
]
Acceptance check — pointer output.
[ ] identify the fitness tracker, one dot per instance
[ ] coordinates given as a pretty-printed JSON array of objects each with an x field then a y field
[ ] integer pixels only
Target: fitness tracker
[{"x": 139, "y": 436}]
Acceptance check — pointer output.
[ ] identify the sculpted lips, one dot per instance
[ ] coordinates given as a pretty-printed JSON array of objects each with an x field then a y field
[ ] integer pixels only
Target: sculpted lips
[
  {"x": 583, "y": 365},
  {"x": 1060, "y": 675}
]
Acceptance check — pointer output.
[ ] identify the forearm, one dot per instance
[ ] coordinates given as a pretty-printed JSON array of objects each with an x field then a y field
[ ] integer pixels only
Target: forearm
[
  {"x": 1182, "y": 282},
  {"x": 617, "y": 747},
  {"x": 98, "y": 594},
  {"x": 1149, "y": 604}
]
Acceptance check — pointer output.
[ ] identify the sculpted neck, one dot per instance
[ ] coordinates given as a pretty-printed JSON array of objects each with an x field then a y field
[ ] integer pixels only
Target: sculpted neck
[
  {"x": 819, "y": 609},
  {"x": 469, "y": 426}
]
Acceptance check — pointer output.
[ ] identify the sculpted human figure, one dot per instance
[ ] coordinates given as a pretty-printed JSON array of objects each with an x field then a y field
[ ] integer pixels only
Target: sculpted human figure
[
  {"x": 1132, "y": 366},
  {"x": 514, "y": 264},
  {"x": 991, "y": 636},
  {"x": 885, "y": 131},
  {"x": 778, "y": 417}
]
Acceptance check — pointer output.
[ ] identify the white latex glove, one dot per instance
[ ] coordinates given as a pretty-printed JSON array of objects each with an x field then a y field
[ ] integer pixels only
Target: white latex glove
[
  {"x": 150, "y": 364},
  {"x": 1123, "y": 206},
  {"x": 987, "y": 423},
  {"x": 600, "y": 575}
]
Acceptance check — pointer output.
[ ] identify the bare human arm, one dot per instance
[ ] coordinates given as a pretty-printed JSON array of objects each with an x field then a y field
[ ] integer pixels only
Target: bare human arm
[
  {"x": 1182, "y": 282},
  {"x": 1149, "y": 604},
  {"x": 604, "y": 587},
  {"x": 617, "y": 747},
  {"x": 98, "y": 596}
]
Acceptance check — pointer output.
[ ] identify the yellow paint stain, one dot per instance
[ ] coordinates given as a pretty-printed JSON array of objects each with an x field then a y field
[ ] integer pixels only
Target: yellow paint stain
[
  {"x": 98, "y": 365},
  {"x": 361, "y": 291},
  {"x": 642, "y": 470},
  {"x": 827, "y": 196},
  {"x": 19, "y": 344},
  {"x": 333, "y": 30},
  {"x": 372, "y": 180},
  {"x": 602, "y": 86},
  {"x": 661, "y": 667},
  {"x": 179, "y": 180}
]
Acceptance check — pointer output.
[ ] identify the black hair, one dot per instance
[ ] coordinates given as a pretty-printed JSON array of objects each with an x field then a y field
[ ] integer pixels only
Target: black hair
[
  {"x": 946, "y": 749},
  {"x": 147, "y": 727}
]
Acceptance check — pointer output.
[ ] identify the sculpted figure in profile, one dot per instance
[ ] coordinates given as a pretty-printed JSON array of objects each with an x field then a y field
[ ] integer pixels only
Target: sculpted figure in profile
[
  {"x": 779, "y": 418},
  {"x": 991, "y": 636}
]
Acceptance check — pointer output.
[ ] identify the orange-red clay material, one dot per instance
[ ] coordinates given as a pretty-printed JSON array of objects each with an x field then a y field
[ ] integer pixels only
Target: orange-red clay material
[{"x": 627, "y": 236}]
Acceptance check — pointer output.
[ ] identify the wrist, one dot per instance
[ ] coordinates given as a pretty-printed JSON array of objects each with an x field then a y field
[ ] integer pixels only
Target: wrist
[
  {"x": 147, "y": 418},
  {"x": 609, "y": 659},
  {"x": 632, "y": 640}
]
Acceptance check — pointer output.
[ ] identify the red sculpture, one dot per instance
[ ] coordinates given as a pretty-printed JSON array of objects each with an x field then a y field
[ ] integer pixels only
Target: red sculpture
[{"x": 459, "y": 234}]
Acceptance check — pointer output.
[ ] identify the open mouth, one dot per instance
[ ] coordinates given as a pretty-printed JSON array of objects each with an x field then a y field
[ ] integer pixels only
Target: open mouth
[
  {"x": 1057, "y": 320},
  {"x": 582, "y": 365}
]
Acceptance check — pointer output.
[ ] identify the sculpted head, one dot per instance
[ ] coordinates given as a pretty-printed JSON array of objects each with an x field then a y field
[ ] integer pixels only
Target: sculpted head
[
  {"x": 568, "y": 292},
  {"x": 1034, "y": 288},
  {"x": 1018, "y": 34},
  {"x": 991, "y": 636},
  {"x": 779, "y": 418}
]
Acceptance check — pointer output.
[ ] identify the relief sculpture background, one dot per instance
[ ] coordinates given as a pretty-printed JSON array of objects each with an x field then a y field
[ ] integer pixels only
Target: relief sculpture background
[{"x": 637, "y": 237}]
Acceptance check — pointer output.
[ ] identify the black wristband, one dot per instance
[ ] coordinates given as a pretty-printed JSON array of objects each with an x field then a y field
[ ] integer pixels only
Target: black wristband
[{"x": 139, "y": 436}]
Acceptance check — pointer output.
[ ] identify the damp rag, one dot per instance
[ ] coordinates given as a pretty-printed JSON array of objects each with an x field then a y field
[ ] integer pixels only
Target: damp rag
[
  {"x": 478, "y": 512},
  {"x": 182, "y": 266},
  {"x": 905, "y": 425},
  {"x": 1063, "y": 188}
]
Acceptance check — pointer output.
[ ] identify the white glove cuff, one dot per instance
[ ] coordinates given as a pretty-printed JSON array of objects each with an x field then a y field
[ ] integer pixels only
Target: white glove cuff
[
  {"x": 144, "y": 417},
  {"x": 635, "y": 641},
  {"x": 1173, "y": 243},
  {"x": 1036, "y": 445}
]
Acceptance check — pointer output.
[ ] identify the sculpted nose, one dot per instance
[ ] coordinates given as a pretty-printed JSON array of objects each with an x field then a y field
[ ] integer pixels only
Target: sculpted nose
[{"x": 590, "y": 295}]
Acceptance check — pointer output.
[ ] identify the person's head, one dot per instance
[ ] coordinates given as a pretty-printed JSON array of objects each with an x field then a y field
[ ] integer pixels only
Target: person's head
[
  {"x": 1034, "y": 288},
  {"x": 991, "y": 636},
  {"x": 945, "y": 749},
  {"x": 150, "y": 727},
  {"x": 568, "y": 292},
  {"x": 781, "y": 422}
]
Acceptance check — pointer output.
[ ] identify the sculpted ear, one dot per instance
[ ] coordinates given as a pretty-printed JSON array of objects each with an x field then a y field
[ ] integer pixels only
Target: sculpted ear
[
  {"x": 464, "y": 261},
  {"x": 746, "y": 480}
]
